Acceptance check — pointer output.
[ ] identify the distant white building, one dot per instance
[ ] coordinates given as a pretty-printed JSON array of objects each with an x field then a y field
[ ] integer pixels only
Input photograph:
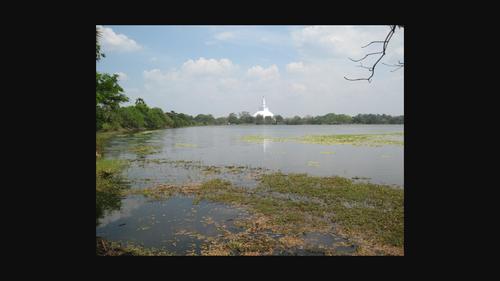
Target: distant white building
[{"x": 264, "y": 111}]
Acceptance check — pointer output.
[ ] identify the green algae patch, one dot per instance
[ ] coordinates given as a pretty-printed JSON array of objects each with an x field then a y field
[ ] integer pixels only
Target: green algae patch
[
  {"x": 343, "y": 139},
  {"x": 327, "y": 152},
  {"x": 356, "y": 140}
]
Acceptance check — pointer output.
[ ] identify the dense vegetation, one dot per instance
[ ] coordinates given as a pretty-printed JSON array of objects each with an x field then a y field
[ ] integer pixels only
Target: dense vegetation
[{"x": 330, "y": 119}]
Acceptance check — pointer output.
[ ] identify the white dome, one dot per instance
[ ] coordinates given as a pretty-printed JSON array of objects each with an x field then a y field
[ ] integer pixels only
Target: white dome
[{"x": 264, "y": 113}]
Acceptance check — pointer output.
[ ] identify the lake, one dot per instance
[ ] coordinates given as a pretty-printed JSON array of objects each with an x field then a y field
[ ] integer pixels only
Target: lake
[{"x": 238, "y": 154}]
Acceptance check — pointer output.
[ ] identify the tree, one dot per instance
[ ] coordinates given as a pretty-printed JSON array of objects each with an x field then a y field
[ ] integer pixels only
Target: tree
[
  {"x": 259, "y": 119},
  {"x": 205, "y": 119},
  {"x": 155, "y": 119},
  {"x": 371, "y": 69},
  {"x": 279, "y": 119},
  {"x": 246, "y": 118},
  {"x": 233, "y": 119},
  {"x": 131, "y": 118},
  {"x": 268, "y": 120},
  {"x": 139, "y": 101},
  {"x": 109, "y": 95},
  {"x": 221, "y": 121}
]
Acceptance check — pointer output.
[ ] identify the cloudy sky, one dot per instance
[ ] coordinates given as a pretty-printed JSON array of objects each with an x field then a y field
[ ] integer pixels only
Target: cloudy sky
[{"x": 222, "y": 69}]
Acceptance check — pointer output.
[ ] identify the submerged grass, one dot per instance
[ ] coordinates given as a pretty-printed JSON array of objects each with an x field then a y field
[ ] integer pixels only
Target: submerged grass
[{"x": 109, "y": 248}]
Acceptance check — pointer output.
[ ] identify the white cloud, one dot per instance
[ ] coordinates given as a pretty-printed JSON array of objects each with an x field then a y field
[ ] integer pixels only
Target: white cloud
[
  {"x": 271, "y": 72},
  {"x": 207, "y": 66},
  {"x": 295, "y": 67},
  {"x": 156, "y": 75},
  {"x": 338, "y": 41},
  {"x": 112, "y": 41},
  {"x": 224, "y": 35}
]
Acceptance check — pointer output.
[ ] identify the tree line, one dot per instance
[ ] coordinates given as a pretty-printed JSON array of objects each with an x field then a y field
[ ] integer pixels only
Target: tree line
[{"x": 327, "y": 119}]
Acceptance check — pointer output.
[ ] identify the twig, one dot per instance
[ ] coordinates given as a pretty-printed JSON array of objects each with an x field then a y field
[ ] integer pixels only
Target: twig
[{"x": 384, "y": 48}]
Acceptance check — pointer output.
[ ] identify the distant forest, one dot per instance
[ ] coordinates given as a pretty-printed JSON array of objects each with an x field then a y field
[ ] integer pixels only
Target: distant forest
[
  {"x": 141, "y": 117},
  {"x": 329, "y": 119}
]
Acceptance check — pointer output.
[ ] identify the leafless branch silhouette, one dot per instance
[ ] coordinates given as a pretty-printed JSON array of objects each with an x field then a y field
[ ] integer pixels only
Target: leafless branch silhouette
[{"x": 382, "y": 53}]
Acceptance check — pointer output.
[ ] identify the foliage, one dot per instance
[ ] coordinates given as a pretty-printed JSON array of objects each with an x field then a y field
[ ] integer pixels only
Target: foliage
[
  {"x": 246, "y": 118},
  {"x": 233, "y": 119},
  {"x": 204, "y": 119}
]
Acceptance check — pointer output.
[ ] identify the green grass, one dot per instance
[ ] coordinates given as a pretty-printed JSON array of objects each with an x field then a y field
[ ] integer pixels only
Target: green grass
[{"x": 101, "y": 138}]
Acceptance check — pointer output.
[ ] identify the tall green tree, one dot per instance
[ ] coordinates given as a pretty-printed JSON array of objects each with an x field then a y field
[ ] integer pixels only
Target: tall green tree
[{"x": 233, "y": 118}]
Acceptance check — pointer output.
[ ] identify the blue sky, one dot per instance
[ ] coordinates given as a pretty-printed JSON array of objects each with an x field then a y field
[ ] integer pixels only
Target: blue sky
[{"x": 223, "y": 69}]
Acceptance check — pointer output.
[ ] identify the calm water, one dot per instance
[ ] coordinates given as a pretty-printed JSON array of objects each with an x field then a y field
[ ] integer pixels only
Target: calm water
[{"x": 183, "y": 154}]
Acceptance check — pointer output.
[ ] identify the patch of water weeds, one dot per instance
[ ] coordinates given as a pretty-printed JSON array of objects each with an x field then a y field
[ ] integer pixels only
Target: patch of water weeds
[
  {"x": 143, "y": 150},
  {"x": 350, "y": 139},
  {"x": 368, "y": 216},
  {"x": 111, "y": 248},
  {"x": 186, "y": 145}
]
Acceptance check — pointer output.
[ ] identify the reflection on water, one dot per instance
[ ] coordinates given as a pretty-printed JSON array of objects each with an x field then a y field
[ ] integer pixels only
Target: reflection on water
[
  {"x": 176, "y": 225},
  {"x": 223, "y": 146}
]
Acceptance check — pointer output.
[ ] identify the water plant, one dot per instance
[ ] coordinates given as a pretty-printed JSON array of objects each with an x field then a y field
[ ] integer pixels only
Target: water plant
[
  {"x": 368, "y": 216},
  {"x": 340, "y": 139}
]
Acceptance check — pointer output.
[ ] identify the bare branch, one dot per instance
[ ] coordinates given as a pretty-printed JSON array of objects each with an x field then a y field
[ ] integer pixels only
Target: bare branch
[
  {"x": 372, "y": 43},
  {"x": 397, "y": 66},
  {"x": 365, "y": 56},
  {"x": 384, "y": 48}
]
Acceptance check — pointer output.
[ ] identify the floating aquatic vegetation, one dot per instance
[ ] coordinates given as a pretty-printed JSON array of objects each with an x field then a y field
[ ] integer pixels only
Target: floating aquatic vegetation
[
  {"x": 284, "y": 207},
  {"x": 143, "y": 150},
  {"x": 350, "y": 139},
  {"x": 327, "y": 152},
  {"x": 186, "y": 145},
  {"x": 108, "y": 248},
  {"x": 260, "y": 139},
  {"x": 312, "y": 164}
]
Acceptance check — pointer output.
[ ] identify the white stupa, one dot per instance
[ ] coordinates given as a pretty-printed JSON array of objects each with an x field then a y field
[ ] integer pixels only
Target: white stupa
[{"x": 264, "y": 111}]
